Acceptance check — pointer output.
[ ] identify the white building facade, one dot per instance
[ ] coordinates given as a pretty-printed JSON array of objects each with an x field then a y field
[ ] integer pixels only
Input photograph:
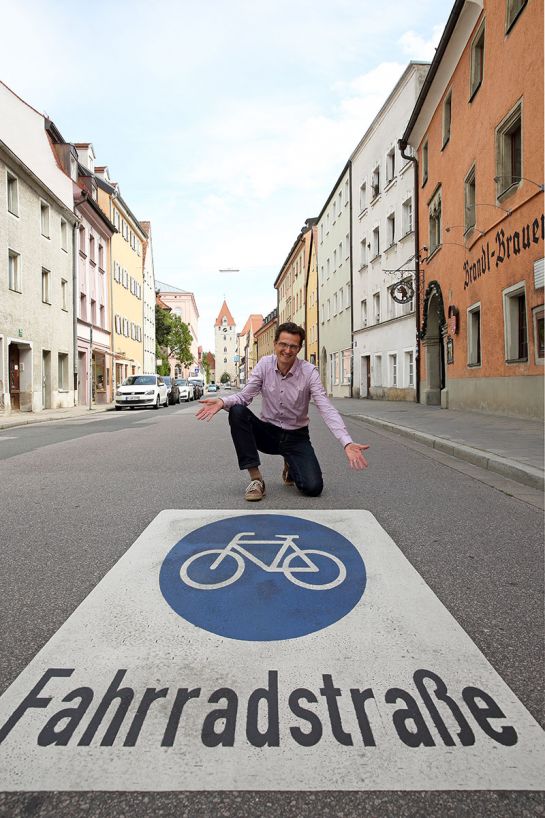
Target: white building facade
[
  {"x": 383, "y": 251},
  {"x": 36, "y": 265},
  {"x": 225, "y": 343},
  {"x": 148, "y": 298},
  {"x": 334, "y": 289}
]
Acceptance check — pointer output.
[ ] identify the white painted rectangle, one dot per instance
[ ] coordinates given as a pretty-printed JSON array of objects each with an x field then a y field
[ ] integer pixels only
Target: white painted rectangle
[{"x": 397, "y": 628}]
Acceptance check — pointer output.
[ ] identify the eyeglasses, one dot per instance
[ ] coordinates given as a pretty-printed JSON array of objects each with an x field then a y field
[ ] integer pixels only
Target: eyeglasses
[{"x": 291, "y": 347}]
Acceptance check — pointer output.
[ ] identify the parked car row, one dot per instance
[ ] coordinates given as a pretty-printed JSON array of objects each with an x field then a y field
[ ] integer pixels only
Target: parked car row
[{"x": 160, "y": 390}]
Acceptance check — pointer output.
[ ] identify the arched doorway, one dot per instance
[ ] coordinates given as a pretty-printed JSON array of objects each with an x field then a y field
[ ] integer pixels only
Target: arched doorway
[{"x": 433, "y": 334}]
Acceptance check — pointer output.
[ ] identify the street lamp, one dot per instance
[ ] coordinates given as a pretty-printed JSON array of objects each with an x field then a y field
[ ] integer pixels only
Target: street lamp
[{"x": 498, "y": 179}]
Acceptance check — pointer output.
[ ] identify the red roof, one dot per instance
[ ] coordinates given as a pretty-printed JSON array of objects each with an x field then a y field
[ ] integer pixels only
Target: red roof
[
  {"x": 254, "y": 321},
  {"x": 225, "y": 312}
]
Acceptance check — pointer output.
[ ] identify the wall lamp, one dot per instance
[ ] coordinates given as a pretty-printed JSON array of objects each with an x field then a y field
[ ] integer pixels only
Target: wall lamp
[
  {"x": 487, "y": 204},
  {"x": 520, "y": 179},
  {"x": 463, "y": 227}
]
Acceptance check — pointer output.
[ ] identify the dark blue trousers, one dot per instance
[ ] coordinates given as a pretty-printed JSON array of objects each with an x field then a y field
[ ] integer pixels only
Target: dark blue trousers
[{"x": 252, "y": 435}]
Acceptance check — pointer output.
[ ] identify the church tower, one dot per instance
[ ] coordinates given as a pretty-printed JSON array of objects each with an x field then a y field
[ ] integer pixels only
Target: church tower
[{"x": 226, "y": 343}]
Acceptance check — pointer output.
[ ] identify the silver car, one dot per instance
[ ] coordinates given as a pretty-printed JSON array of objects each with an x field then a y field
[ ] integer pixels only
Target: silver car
[{"x": 141, "y": 390}]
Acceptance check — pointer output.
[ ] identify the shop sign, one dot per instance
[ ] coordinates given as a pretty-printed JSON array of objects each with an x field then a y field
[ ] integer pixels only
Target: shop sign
[{"x": 504, "y": 247}]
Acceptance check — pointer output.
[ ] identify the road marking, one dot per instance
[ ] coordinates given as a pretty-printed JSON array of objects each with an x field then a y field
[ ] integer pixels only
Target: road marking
[
  {"x": 7, "y": 437},
  {"x": 170, "y": 675}
]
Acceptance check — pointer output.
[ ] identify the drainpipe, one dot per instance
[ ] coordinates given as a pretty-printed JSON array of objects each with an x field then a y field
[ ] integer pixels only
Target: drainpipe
[
  {"x": 75, "y": 304},
  {"x": 402, "y": 145}
]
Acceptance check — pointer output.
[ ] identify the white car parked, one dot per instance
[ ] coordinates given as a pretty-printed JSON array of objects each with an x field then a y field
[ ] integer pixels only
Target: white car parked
[
  {"x": 187, "y": 390},
  {"x": 141, "y": 390}
]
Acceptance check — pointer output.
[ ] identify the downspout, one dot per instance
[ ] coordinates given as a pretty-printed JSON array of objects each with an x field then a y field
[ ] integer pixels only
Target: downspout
[
  {"x": 351, "y": 284},
  {"x": 402, "y": 145},
  {"x": 75, "y": 229}
]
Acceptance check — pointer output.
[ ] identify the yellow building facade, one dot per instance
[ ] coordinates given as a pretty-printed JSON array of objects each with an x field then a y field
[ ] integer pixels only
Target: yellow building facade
[{"x": 127, "y": 281}]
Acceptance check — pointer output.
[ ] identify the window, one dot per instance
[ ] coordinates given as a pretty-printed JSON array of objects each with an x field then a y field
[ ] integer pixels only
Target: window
[
  {"x": 447, "y": 118},
  {"x": 409, "y": 367},
  {"x": 539, "y": 335},
  {"x": 334, "y": 303},
  {"x": 327, "y": 267},
  {"x": 44, "y": 216},
  {"x": 321, "y": 232},
  {"x": 14, "y": 271},
  {"x": 363, "y": 196},
  {"x": 346, "y": 192},
  {"x": 376, "y": 307},
  {"x": 376, "y": 242},
  {"x": 363, "y": 253},
  {"x": 424, "y": 163},
  {"x": 225, "y": 360},
  {"x": 82, "y": 246},
  {"x": 392, "y": 365},
  {"x": 474, "y": 335},
  {"x": 477, "y": 62},
  {"x": 348, "y": 295},
  {"x": 102, "y": 317},
  {"x": 46, "y": 282},
  {"x": 340, "y": 201},
  {"x": 64, "y": 236},
  {"x": 363, "y": 312},
  {"x": 407, "y": 216},
  {"x": 347, "y": 245},
  {"x": 63, "y": 371},
  {"x": 117, "y": 324},
  {"x": 435, "y": 221},
  {"x": 83, "y": 306},
  {"x": 346, "y": 366},
  {"x": 64, "y": 294},
  {"x": 93, "y": 311},
  {"x": 101, "y": 256},
  {"x": 13, "y": 194},
  {"x": 391, "y": 229},
  {"x": 341, "y": 293},
  {"x": 92, "y": 249},
  {"x": 328, "y": 310},
  {"x": 334, "y": 260},
  {"x": 514, "y": 8},
  {"x": 390, "y": 165},
  {"x": 469, "y": 200},
  {"x": 322, "y": 278},
  {"x": 375, "y": 183},
  {"x": 334, "y": 212},
  {"x": 515, "y": 324},
  {"x": 509, "y": 151},
  {"x": 340, "y": 253}
]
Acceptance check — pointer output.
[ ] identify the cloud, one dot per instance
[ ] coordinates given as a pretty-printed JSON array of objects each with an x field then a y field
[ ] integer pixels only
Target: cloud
[{"x": 417, "y": 47}]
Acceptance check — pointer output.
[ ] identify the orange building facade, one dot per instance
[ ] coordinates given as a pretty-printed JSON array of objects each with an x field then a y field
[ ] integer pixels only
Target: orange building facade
[{"x": 478, "y": 132}]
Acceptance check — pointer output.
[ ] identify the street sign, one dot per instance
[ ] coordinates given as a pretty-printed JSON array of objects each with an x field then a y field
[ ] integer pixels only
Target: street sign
[{"x": 170, "y": 675}]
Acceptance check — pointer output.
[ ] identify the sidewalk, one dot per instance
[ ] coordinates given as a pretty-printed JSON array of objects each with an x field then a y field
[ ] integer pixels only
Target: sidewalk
[
  {"x": 24, "y": 418},
  {"x": 512, "y": 447}
]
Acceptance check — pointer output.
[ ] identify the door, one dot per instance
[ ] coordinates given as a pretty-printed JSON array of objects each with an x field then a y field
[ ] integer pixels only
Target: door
[
  {"x": 365, "y": 380},
  {"x": 46, "y": 379},
  {"x": 14, "y": 388}
]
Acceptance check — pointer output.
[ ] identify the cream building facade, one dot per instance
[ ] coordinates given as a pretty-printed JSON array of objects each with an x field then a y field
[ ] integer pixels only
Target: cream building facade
[
  {"x": 127, "y": 280},
  {"x": 383, "y": 240},
  {"x": 183, "y": 304},
  {"x": 291, "y": 281},
  {"x": 150, "y": 356},
  {"x": 37, "y": 367},
  {"x": 334, "y": 288},
  {"x": 311, "y": 299}
]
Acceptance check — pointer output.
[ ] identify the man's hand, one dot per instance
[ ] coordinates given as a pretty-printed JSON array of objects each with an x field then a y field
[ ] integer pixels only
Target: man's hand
[
  {"x": 354, "y": 453},
  {"x": 210, "y": 407}
]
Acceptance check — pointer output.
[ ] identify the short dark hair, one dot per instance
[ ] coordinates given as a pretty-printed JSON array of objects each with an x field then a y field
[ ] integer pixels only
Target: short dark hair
[{"x": 293, "y": 329}]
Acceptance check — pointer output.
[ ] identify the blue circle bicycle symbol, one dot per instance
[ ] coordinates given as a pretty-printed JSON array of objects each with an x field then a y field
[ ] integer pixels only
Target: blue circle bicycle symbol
[{"x": 263, "y": 577}]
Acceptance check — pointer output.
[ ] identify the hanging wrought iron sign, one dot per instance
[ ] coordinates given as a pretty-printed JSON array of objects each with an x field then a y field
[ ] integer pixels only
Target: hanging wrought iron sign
[{"x": 403, "y": 291}]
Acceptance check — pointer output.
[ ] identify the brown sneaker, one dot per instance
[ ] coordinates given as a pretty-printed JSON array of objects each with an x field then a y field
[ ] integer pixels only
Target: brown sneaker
[
  {"x": 286, "y": 477},
  {"x": 255, "y": 491}
]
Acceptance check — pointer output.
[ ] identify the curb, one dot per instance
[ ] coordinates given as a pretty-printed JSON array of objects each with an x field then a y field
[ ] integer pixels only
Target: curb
[
  {"x": 527, "y": 475},
  {"x": 35, "y": 417}
]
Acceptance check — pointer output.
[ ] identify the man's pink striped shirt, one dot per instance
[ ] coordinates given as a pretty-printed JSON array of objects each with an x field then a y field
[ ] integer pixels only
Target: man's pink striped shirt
[{"x": 285, "y": 398}]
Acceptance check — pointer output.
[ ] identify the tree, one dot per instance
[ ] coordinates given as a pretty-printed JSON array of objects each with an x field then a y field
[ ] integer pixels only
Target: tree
[
  {"x": 180, "y": 339},
  {"x": 225, "y": 378},
  {"x": 206, "y": 366}
]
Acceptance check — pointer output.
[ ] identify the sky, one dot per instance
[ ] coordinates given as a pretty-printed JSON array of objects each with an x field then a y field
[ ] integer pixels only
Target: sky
[{"x": 226, "y": 124}]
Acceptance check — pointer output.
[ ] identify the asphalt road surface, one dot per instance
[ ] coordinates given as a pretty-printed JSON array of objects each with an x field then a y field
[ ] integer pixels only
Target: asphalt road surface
[{"x": 77, "y": 494}]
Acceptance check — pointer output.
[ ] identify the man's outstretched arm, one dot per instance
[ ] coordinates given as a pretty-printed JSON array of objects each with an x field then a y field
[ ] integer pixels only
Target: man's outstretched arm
[
  {"x": 212, "y": 406},
  {"x": 335, "y": 424}
]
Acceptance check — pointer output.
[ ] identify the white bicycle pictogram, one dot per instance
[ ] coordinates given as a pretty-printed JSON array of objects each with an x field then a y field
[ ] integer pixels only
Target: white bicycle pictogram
[{"x": 281, "y": 563}]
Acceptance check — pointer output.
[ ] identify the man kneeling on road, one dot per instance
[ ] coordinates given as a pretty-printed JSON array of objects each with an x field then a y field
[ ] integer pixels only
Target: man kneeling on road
[{"x": 286, "y": 384}]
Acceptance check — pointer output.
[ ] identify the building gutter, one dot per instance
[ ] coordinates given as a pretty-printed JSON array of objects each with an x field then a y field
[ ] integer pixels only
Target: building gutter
[
  {"x": 351, "y": 287},
  {"x": 75, "y": 231},
  {"x": 402, "y": 147}
]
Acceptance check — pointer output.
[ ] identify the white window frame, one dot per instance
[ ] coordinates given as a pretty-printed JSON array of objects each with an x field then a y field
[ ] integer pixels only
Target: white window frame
[
  {"x": 510, "y": 321},
  {"x": 393, "y": 373},
  {"x": 408, "y": 373},
  {"x": 474, "y": 339},
  {"x": 391, "y": 229},
  {"x": 45, "y": 219},
  {"x": 476, "y": 72},
  {"x": 62, "y": 370},
  {"x": 64, "y": 294},
  {"x": 363, "y": 196},
  {"x": 470, "y": 194},
  {"x": 363, "y": 313},
  {"x": 12, "y": 190},
  {"x": 435, "y": 220},
  {"x": 376, "y": 370},
  {"x": 425, "y": 162},
  {"x": 46, "y": 286},
  {"x": 538, "y": 314},
  {"x": 513, "y": 11},
  {"x": 447, "y": 119},
  {"x": 15, "y": 283},
  {"x": 390, "y": 165},
  {"x": 407, "y": 216}
]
